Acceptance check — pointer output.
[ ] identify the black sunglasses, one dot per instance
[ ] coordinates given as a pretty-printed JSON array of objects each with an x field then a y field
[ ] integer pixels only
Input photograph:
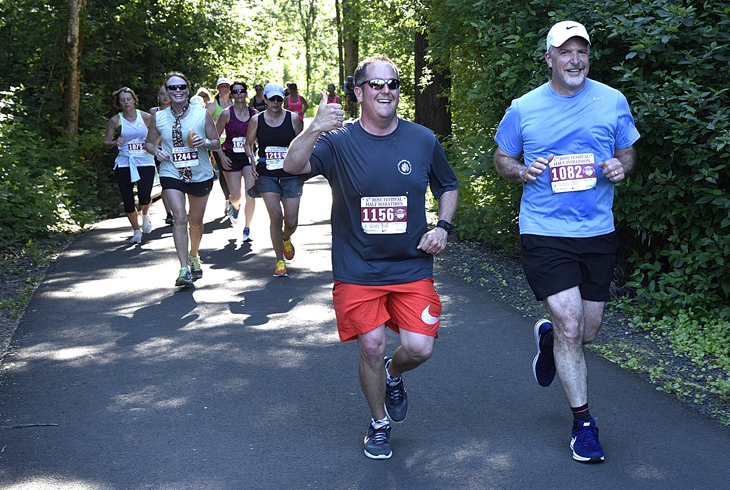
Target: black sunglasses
[
  {"x": 182, "y": 86},
  {"x": 276, "y": 99},
  {"x": 238, "y": 91},
  {"x": 379, "y": 83}
]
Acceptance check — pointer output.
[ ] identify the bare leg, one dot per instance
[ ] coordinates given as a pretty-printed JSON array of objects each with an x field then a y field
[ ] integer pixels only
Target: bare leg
[
  {"x": 414, "y": 350},
  {"x": 250, "y": 201},
  {"x": 234, "y": 186},
  {"x": 176, "y": 199},
  {"x": 371, "y": 369},
  {"x": 575, "y": 322},
  {"x": 195, "y": 218},
  {"x": 133, "y": 220},
  {"x": 291, "y": 215},
  {"x": 273, "y": 206}
]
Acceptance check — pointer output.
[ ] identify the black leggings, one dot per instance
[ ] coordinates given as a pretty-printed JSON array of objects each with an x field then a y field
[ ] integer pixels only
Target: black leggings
[
  {"x": 221, "y": 177},
  {"x": 144, "y": 186}
]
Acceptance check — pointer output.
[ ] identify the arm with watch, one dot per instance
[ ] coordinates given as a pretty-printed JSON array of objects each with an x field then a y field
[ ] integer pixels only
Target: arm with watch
[{"x": 434, "y": 241}]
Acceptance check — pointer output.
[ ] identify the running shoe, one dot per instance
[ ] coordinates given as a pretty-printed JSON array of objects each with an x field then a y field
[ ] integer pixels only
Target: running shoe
[
  {"x": 280, "y": 269},
  {"x": 228, "y": 208},
  {"x": 146, "y": 223},
  {"x": 377, "y": 442},
  {"x": 246, "y": 235},
  {"x": 185, "y": 278},
  {"x": 396, "y": 399},
  {"x": 543, "y": 366},
  {"x": 137, "y": 237},
  {"x": 584, "y": 443},
  {"x": 169, "y": 219},
  {"x": 288, "y": 249},
  {"x": 233, "y": 213},
  {"x": 196, "y": 270}
]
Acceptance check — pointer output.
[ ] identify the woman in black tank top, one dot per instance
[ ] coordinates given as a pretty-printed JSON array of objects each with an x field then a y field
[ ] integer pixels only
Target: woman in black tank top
[{"x": 274, "y": 129}]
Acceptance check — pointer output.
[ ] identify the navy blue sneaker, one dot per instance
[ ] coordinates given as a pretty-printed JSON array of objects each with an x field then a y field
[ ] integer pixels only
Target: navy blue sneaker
[
  {"x": 543, "y": 366},
  {"x": 584, "y": 443},
  {"x": 396, "y": 400},
  {"x": 377, "y": 442}
]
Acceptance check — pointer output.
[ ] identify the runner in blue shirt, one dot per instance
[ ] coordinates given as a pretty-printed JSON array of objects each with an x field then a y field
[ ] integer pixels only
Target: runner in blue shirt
[{"x": 575, "y": 137}]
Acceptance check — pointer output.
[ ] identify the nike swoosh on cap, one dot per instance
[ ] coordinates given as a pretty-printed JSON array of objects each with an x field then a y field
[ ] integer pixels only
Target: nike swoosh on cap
[
  {"x": 569, "y": 27},
  {"x": 428, "y": 318}
]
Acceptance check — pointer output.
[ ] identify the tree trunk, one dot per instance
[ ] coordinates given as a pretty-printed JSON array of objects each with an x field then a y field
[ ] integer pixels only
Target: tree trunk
[
  {"x": 72, "y": 97},
  {"x": 351, "y": 18},
  {"x": 432, "y": 99},
  {"x": 340, "y": 64}
]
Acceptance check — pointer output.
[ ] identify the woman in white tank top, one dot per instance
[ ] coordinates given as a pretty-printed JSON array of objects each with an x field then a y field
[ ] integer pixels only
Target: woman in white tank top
[{"x": 127, "y": 131}]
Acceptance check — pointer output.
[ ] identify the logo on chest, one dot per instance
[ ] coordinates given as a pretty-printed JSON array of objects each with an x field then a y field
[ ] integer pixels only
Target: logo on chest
[{"x": 405, "y": 167}]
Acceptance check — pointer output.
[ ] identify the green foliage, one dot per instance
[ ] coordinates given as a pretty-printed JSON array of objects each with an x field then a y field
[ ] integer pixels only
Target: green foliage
[{"x": 670, "y": 59}]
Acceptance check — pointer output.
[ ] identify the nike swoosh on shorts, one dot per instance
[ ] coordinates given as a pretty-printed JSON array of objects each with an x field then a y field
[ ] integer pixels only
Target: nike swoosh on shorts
[{"x": 428, "y": 318}]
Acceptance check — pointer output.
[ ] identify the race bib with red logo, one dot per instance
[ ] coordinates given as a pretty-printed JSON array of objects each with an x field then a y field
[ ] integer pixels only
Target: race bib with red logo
[
  {"x": 387, "y": 215},
  {"x": 275, "y": 157},
  {"x": 136, "y": 147},
  {"x": 571, "y": 173},
  {"x": 238, "y": 144},
  {"x": 184, "y": 156}
]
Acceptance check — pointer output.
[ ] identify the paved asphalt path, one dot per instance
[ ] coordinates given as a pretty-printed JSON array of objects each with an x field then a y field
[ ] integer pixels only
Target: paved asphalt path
[{"x": 242, "y": 383}]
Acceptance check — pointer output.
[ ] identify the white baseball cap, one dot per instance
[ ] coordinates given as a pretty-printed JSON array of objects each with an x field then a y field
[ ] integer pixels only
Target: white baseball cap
[
  {"x": 272, "y": 90},
  {"x": 562, "y": 31},
  {"x": 222, "y": 81}
]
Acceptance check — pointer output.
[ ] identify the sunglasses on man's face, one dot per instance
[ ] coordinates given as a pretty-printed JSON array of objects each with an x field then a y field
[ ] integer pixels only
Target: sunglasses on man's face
[
  {"x": 379, "y": 83},
  {"x": 173, "y": 88},
  {"x": 238, "y": 91}
]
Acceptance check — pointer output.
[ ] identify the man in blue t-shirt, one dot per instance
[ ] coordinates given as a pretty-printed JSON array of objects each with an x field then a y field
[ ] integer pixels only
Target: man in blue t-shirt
[
  {"x": 575, "y": 136},
  {"x": 382, "y": 250}
]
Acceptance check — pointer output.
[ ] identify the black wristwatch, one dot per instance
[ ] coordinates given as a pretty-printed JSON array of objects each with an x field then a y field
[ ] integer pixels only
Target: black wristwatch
[{"x": 446, "y": 226}]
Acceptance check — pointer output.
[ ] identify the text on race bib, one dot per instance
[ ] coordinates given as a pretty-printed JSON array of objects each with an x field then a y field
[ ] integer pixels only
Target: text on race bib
[
  {"x": 238, "y": 144},
  {"x": 275, "y": 157},
  {"x": 184, "y": 157},
  {"x": 571, "y": 173},
  {"x": 136, "y": 147},
  {"x": 384, "y": 215}
]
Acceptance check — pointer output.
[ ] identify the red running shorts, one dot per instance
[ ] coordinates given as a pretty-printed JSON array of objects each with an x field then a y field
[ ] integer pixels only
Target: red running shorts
[{"x": 413, "y": 306}]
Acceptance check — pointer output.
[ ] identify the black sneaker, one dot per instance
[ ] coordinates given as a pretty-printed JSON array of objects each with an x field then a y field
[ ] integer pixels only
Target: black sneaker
[
  {"x": 584, "y": 442},
  {"x": 396, "y": 400},
  {"x": 377, "y": 442},
  {"x": 169, "y": 219},
  {"x": 543, "y": 366}
]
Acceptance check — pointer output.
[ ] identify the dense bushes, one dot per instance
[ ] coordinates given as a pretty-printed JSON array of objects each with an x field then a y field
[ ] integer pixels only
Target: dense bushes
[{"x": 670, "y": 58}]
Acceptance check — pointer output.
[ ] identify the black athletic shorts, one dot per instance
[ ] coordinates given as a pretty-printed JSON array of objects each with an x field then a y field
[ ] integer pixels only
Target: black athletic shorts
[
  {"x": 554, "y": 264},
  {"x": 197, "y": 189},
  {"x": 238, "y": 161}
]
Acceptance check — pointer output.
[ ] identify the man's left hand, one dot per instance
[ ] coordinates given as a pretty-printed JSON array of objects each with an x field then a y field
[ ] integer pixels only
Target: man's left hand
[
  {"x": 433, "y": 241},
  {"x": 613, "y": 169}
]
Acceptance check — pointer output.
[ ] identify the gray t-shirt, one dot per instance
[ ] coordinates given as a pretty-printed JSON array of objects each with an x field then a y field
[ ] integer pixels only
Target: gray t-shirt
[{"x": 379, "y": 209}]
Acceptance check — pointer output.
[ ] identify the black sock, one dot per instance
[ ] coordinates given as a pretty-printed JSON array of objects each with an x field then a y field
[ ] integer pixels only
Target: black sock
[
  {"x": 581, "y": 413},
  {"x": 546, "y": 343}
]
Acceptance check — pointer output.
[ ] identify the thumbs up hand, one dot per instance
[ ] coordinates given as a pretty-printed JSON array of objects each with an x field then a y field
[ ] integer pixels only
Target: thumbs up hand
[{"x": 329, "y": 116}]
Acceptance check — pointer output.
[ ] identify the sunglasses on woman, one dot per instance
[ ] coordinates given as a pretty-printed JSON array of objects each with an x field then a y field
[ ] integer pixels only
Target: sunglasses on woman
[
  {"x": 173, "y": 88},
  {"x": 238, "y": 91},
  {"x": 379, "y": 83}
]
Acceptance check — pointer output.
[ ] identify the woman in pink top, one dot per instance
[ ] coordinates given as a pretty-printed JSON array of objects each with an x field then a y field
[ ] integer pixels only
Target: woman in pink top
[{"x": 295, "y": 102}]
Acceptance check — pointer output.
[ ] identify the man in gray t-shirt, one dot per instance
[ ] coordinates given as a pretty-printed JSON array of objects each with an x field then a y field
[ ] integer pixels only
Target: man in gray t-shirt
[{"x": 382, "y": 251}]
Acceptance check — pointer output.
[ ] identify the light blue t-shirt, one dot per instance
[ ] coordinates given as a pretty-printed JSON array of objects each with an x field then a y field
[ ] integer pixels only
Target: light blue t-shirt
[{"x": 597, "y": 121}]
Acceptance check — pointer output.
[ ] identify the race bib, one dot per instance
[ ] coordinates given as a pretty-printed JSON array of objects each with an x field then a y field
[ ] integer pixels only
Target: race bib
[
  {"x": 136, "y": 147},
  {"x": 571, "y": 173},
  {"x": 275, "y": 157},
  {"x": 184, "y": 157},
  {"x": 238, "y": 144},
  {"x": 387, "y": 215}
]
